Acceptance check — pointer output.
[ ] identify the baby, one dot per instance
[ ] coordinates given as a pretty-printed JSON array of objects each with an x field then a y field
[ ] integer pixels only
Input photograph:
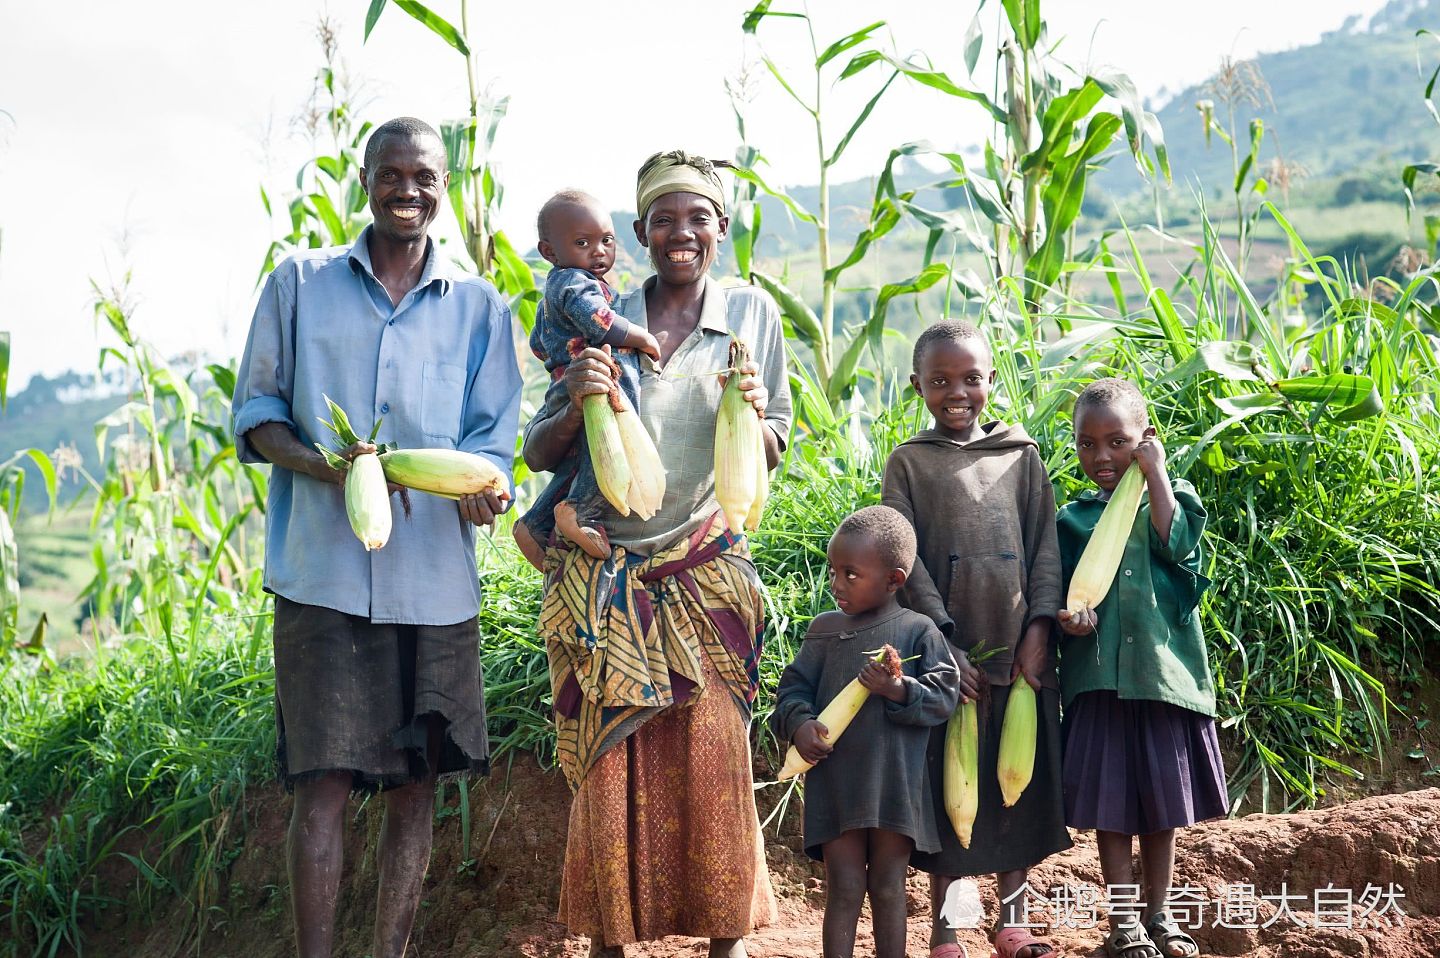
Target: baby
[{"x": 577, "y": 238}]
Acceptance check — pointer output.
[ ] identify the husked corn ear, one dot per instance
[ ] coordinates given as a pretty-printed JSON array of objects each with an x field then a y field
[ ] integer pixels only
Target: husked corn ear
[
  {"x": 737, "y": 439},
  {"x": 1016, "y": 762},
  {"x": 442, "y": 472},
  {"x": 367, "y": 501},
  {"x": 647, "y": 474},
  {"x": 962, "y": 770},
  {"x": 839, "y": 713},
  {"x": 1103, "y": 553},
  {"x": 607, "y": 452}
]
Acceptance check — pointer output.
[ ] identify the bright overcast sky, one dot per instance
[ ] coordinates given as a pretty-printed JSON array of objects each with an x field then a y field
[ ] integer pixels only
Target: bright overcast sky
[{"x": 148, "y": 126}]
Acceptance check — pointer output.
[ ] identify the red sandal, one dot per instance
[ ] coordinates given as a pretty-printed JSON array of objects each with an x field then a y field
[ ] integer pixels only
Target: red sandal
[{"x": 1011, "y": 941}]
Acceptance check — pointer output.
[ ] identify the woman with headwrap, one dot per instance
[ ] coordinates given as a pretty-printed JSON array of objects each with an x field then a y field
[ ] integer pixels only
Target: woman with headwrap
[{"x": 654, "y": 653}]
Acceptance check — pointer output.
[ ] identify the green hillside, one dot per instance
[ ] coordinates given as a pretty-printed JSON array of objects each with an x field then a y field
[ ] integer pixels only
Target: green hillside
[{"x": 1351, "y": 101}]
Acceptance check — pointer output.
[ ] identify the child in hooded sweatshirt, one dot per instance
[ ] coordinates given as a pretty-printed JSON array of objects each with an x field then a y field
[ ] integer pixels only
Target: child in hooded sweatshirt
[{"x": 988, "y": 574}]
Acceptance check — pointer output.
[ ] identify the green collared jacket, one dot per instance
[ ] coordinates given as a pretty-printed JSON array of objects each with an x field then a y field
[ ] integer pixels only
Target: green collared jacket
[{"x": 1148, "y": 644}]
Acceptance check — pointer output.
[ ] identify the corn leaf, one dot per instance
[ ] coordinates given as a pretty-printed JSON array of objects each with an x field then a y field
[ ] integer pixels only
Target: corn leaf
[
  {"x": 799, "y": 318},
  {"x": 847, "y": 42}
]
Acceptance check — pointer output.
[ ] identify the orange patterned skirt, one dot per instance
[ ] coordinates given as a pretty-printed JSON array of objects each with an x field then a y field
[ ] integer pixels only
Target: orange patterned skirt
[{"x": 664, "y": 839}]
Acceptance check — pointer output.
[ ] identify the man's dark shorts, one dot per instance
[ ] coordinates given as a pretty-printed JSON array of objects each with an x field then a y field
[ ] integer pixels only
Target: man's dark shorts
[{"x": 362, "y": 697}]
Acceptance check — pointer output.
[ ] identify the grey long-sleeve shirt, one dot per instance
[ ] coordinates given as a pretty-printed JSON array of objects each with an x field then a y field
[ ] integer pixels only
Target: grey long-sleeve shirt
[{"x": 875, "y": 777}]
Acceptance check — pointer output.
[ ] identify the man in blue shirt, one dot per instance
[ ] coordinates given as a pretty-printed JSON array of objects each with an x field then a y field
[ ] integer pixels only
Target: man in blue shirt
[{"x": 377, "y": 666}]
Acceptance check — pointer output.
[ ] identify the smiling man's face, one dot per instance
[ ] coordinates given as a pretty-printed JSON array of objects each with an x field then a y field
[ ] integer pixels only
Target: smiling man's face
[{"x": 406, "y": 184}]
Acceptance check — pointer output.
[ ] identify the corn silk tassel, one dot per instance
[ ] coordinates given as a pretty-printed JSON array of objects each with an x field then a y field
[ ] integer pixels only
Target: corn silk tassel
[
  {"x": 839, "y": 713},
  {"x": 737, "y": 442},
  {"x": 1016, "y": 763},
  {"x": 1095, "y": 571}
]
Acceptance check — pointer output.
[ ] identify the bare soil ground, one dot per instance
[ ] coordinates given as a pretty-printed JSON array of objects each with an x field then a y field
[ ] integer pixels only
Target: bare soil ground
[{"x": 501, "y": 899}]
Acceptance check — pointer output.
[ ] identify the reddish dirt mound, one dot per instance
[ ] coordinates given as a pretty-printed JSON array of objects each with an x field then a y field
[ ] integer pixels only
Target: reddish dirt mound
[{"x": 500, "y": 900}]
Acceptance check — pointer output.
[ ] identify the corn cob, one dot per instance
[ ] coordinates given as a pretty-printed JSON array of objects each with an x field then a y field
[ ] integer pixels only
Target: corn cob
[
  {"x": 737, "y": 440},
  {"x": 1103, "y": 553},
  {"x": 607, "y": 452},
  {"x": 367, "y": 501},
  {"x": 1016, "y": 762},
  {"x": 839, "y": 713},
  {"x": 647, "y": 474},
  {"x": 443, "y": 472},
  {"x": 962, "y": 770}
]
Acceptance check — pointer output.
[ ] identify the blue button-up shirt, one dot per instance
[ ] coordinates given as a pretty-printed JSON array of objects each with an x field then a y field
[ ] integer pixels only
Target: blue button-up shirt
[{"x": 439, "y": 369}]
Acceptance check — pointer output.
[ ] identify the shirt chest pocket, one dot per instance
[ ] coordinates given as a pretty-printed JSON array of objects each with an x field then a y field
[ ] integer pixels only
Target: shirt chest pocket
[{"x": 442, "y": 400}]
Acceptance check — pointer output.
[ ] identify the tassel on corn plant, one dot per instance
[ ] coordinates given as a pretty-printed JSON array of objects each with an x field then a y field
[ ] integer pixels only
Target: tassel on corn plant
[
  {"x": 839, "y": 713},
  {"x": 961, "y": 773},
  {"x": 367, "y": 501},
  {"x": 737, "y": 442},
  {"x": 1101, "y": 559},
  {"x": 1016, "y": 762}
]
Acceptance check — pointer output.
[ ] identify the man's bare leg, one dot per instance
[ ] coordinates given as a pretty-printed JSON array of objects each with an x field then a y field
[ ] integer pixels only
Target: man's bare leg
[
  {"x": 315, "y": 852},
  {"x": 405, "y": 841}
]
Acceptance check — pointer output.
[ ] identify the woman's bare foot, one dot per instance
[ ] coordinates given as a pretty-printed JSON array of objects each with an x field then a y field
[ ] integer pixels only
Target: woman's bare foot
[{"x": 590, "y": 538}]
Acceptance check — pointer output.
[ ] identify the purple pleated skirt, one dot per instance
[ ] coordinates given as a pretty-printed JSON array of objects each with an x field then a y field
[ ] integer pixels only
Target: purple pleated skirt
[{"x": 1137, "y": 767}]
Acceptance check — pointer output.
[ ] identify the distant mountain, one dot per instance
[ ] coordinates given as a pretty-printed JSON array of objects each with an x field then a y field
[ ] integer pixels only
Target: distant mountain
[{"x": 1350, "y": 101}]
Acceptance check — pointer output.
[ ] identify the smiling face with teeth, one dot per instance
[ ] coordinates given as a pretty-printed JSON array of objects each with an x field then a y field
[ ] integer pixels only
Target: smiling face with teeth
[
  {"x": 405, "y": 183},
  {"x": 682, "y": 231},
  {"x": 954, "y": 379}
]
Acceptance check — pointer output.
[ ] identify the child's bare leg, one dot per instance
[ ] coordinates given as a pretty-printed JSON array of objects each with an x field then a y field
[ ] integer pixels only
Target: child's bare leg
[
  {"x": 1157, "y": 866},
  {"x": 885, "y": 881},
  {"x": 591, "y": 538},
  {"x": 845, "y": 884},
  {"x": 940, "y": 932},
  {"x": 530, "y": 547},
  {"x": 315, "y": 849},
  {"x": 1010, "y": 887},
  {"x": 1118, "y": 868}
]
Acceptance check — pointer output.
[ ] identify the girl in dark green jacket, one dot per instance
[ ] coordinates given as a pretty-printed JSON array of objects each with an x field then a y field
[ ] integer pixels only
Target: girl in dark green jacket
[{"x": 1140, "y": 755}]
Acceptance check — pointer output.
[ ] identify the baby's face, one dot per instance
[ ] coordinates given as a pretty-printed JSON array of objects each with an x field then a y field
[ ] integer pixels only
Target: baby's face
[{"x": 583, "y": 238}]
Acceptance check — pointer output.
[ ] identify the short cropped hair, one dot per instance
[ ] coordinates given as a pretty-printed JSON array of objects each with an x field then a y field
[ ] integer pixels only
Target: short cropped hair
[
  {"x": 1119, "y": 394},
  {"x": 946, "y": 331},
  {"x": 400, "y": 126},
  {"x": 559, "y": 200},
  {"x": 888, "y": 531}
]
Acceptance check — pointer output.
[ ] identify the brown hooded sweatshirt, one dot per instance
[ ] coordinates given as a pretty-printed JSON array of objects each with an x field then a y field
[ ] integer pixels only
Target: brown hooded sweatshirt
[{"x": 989, "y": 557}]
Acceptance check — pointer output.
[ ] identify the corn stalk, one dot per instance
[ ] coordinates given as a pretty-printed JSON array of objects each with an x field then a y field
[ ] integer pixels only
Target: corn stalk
[{"x": 475, "y": 188}]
